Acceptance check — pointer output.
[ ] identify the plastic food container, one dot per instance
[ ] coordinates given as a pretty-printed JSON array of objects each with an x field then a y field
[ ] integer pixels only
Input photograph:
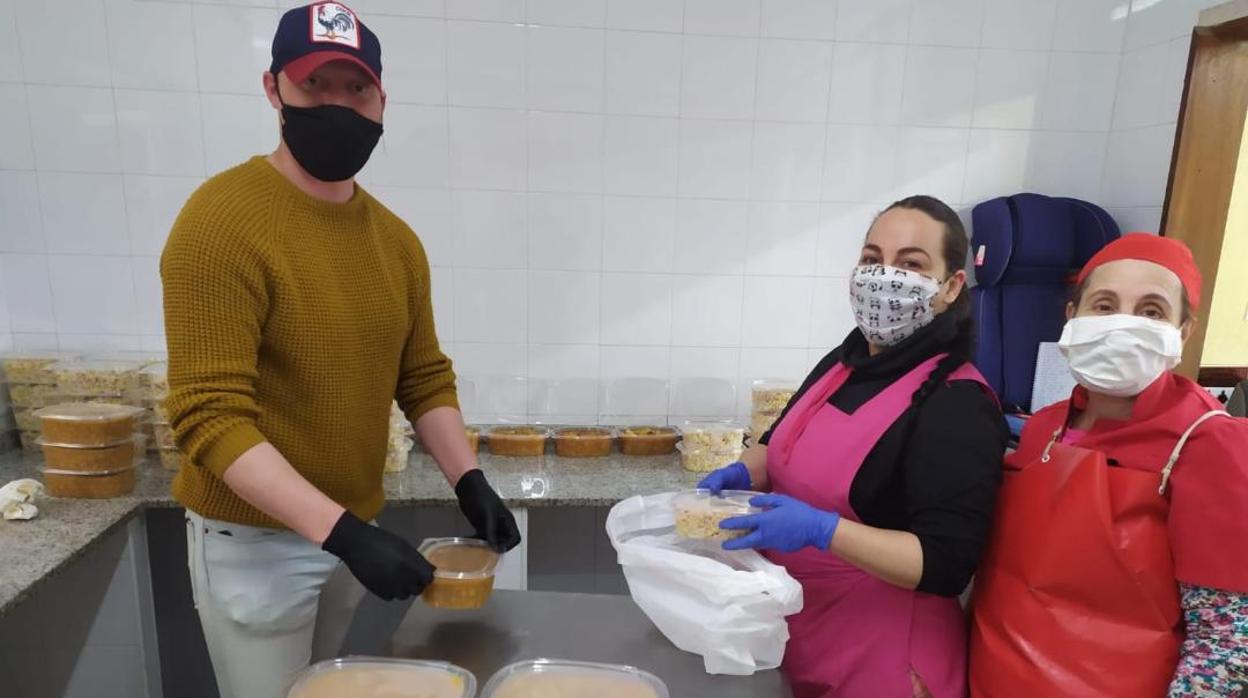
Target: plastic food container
[
  {"x": 164, "y": 435},
  {"x": 474, "y": 438},
  {"x": 32, "y": 394},
  {"x": 378, "y": 677},
  {"x": 171, "y": 459},
  {"x": 464, "y": 577},
  {"x": 26, "y": 418},
  {"x": 154, "y": 382},
  {"x": 698, "y": 513},
  {"x": 760, "y": 423},
  {"x": 93, "y": 485},
  {"x": 701, "y": 460},
  {"x": 712, "y": 436},
  {"x": 106, "y": 378},
  {"x": 158, "y": 411},
  {"x": 648, "y": 441},
  {"x": 31, "y": 368},
  {"x": 772, "y": 396},
  {"x": 90, "y": 459},
  {"x": 88, "y": 424},
  {"x": 29, "y": 440},
  {"x": 397, "y": 454},
  {"x": 518, "y": 440},
  {"x": 583, "y": 442},
  {"x": 558, "y": 678}
]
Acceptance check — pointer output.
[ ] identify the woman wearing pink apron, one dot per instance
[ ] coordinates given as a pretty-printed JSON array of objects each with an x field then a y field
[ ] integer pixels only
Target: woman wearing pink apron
[{"x": 883, "y": 474}]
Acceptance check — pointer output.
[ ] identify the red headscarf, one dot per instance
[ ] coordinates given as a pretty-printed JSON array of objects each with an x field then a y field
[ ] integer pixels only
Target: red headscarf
[{"x": 1165, "y": 252}]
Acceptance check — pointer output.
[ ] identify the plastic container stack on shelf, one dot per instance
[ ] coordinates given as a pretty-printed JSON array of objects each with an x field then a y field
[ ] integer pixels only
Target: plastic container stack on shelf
[
  {"x": 30, "y": 385},
  {"x": 90, "y": 449},
  {"x": 706, "y": 446},
  {"x": 769, "y": 399}
]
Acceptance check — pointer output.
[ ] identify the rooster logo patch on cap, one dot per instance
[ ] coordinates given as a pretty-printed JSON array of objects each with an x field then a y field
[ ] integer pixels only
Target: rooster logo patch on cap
[{"x": 334, "y": 23}]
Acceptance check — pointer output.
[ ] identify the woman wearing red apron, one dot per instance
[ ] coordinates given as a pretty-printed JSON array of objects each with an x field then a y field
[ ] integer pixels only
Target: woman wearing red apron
[
  {"x": 883, "y": 472},
  {"x": 1118, "y": 563}
]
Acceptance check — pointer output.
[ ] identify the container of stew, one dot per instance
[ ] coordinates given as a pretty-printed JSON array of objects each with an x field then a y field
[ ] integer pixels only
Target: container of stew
[
  {"x": 583, "y": 442},
  {"x": 88, "y": 459},
  {"x": 648, "y": 441},
  {"x": 88, "y": 424},
  {"x": 561, "y": 678},
  {"x": 89, "y": 485},
  {"x": 518, "y": 441},
  {"x": 464, "y": 574},
  {"x": 383, "y": 677}
]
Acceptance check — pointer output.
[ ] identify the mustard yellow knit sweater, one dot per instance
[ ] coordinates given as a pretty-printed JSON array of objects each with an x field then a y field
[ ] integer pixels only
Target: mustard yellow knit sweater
[{"x": 294, "y": 321}]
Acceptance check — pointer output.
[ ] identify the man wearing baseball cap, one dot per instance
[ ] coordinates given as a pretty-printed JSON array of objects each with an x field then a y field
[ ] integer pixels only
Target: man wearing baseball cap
[{"x": 297, "y": 307}]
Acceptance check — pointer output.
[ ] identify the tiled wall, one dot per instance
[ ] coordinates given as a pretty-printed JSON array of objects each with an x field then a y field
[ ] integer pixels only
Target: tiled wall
[{"x": 607, "y": 188}]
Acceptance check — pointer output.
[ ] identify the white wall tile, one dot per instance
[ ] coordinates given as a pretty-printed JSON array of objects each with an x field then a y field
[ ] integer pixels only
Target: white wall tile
[
  {"x": 1138, "y": 99},
  {"x": 624, "y": 362},
  {"x": 718, "y": 77},
  {"x": 442, "y": 286},
  {"x": 710, "y": 236},
  {"x": 10, "y": 46},
  {"x": 1090, "y": 25},
  {"x": 93, "y": 294},
  {"x": 1072, "y": 164},
  {"x": 1079, "y": 93},
  {"x": 799, "y": 19},
  {"x": 486, "y": 66},
  {"x": 715, "y": 158},
  {"x": 414, "y": 69},
  {"x": 414, "y": 149},
  {"x": 74, "y": 128},
  {"x": 83, "y": 213},
  {"x": 564, "y": 383},
  {"x": 641, "y": 155},
  {"x": 787, "y": 161},
  {"x": 16, "y": 147},
  {"x": 1019, "y": 24},
  {"x": 867, "y": 82},
  {"x": 160, "y": 132},
  {"x": 1157, "y": 21},
  {"x": 486, "y": 10},
  {"x": 782, "y": 239},
  {"x": 29, "y": 291},
  {"x": 488, "y": 149},
  {"x": 490, "y": 229},
  {"x": 706, "y": 311},
  {"x": 722, "y": 17},
  {"x": 777, "y": 311},
  {"x": 842, "y": 232},
  {"x": 428, "y": 213},
  {"x": 565, "y": 152},
  {"x": 768, "y": 363},
  {"x": 565, "y": 232},
  {"x": 1173, "y": 80},
  {"x": 641, "y": 73},
  {"x": 491, "y": 305},
  {"x": 932, "y": 161},
  {"x": 637, "y": 309},
  {"x": 100, "y": 343},
  {"x": 939, "y": 87},
  {"x": 860, "y": 163},
  {"x": 35, "y": 341},
  {"x": 150, "y": 316},
  {"x": 152, "y": 204},
  {"x": 996, "y": 164},
  {"x": 646, "y": 15},
  {"x": 947, "y": 23},
  {"x": 565, "y": 69},
  {"x": 639, "y": 234},
  {"x": 704, "y": 382},
  {"x": 21, "y": 227},
  {"x": 568, "y": 13},
  {"x": 232, "y": 47},
  {"x": 371, "y": 10},
  {"x": 64, "y": 43},
  {"x": 875, "y": 21},
  {"x": 236, "y": 127},
  {"x": 139, "y": 31},
  {"x": 1009, "y": 89},
  {"x": 831, "y": 318},
  {"x": 564, "y": 307},
  {"x": 793, "y": 80}
]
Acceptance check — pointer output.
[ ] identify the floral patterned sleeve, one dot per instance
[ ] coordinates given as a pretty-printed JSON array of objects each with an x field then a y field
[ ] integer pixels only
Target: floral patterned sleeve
[{"x": 1214, "y": 659}]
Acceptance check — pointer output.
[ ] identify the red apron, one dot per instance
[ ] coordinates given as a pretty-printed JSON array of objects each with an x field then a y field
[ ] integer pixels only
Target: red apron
[
  {"x": 857, "y": 636},
  {"x": 1076, "y": 593}
]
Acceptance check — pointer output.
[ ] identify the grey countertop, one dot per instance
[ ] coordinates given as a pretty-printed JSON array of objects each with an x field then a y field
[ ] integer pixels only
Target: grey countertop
[{"x": 32, "y": 551}]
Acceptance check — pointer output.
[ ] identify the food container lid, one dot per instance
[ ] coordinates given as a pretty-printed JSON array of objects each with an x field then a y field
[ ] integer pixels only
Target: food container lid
[
  {"x": 462, "y": 680},
  {"x": 728, "y": 501},
  {"x": 610, "y": 672},
  {"x": 711, "y": 427},
  {"x": 588, "y": 433},
  {"x": 99, "y": 365},
  {"x": 773, "y": 384},
  {"x": 734, "y": 452},
  {"x": 137, "y": 440},
  {"x": 87, "y": 412},
  {"x": 648, "y": 430},
  {"x": 476, "y": 560},
  {"x": 87, "y": 473},
  {"x": 520, "y": 430}
]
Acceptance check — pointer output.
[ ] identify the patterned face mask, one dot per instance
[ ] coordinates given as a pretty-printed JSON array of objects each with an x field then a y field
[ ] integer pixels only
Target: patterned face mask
[{"x": 891, "y": 304}]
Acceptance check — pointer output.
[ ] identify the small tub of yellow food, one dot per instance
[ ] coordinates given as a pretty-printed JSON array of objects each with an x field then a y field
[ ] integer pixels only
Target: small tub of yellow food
[
  {"x": 464, "y": 575},
  {"x": 377, "y": 677},
  {"x": 557, "y": 678}
]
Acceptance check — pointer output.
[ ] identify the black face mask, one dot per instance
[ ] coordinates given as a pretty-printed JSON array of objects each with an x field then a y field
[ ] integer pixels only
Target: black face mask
[{"x": 331, "y": 142}]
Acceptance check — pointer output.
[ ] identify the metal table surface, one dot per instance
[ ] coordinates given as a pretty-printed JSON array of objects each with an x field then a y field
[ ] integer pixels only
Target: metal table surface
[{"x": 520, "y": 625}]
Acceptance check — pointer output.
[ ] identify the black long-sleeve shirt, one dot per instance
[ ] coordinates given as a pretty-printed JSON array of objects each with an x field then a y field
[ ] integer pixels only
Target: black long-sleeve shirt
[{"x": 936, "y": 471}]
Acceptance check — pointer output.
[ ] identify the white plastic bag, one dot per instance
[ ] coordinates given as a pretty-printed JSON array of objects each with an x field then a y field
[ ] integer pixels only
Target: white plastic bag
[{"x": 729, "y": 607}]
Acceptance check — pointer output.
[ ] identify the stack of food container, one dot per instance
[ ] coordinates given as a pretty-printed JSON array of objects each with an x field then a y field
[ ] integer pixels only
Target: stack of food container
[
  {"x": 90, "y": 449},
  {"x": 399, "y": 445},
  {"x": 769, "y": 399},
  {"x": 99, "y": 381},
  {"x": 153, "y": 386},
  {"x": 706, "y": 446},
  {"x": 30, "y": 386}
]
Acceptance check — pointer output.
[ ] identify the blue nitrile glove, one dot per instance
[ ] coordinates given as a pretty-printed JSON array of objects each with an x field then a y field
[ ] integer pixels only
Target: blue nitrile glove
[
  {"x": 787, "y": 525},
  {"x": 729, "y": 477}
]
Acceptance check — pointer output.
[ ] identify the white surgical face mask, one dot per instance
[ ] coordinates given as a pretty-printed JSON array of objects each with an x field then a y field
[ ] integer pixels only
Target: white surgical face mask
[
  {"x": 1120, "y": 355},
  {"x": 891, "y": 304}
]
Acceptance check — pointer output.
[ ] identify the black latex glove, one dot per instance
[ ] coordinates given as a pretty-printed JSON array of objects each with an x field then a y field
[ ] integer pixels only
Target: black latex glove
[
  {"x": 485, "y": 511},
  {"x": 383, "y": 562}
]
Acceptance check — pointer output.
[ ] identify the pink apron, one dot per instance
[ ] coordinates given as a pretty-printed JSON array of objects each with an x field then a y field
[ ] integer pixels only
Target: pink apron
[{"x": 857, "y": 636}]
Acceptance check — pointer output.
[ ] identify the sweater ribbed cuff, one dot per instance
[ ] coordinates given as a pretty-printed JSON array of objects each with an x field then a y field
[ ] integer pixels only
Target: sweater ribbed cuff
[{"x": 227, "y": 447}]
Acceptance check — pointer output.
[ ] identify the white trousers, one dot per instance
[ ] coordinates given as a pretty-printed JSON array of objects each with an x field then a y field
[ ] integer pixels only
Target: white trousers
[{"x": 270, "y": 602}]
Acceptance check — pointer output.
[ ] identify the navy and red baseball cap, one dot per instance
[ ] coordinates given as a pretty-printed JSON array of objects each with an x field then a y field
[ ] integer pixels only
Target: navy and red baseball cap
[{"x": 311, "y": 36}]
